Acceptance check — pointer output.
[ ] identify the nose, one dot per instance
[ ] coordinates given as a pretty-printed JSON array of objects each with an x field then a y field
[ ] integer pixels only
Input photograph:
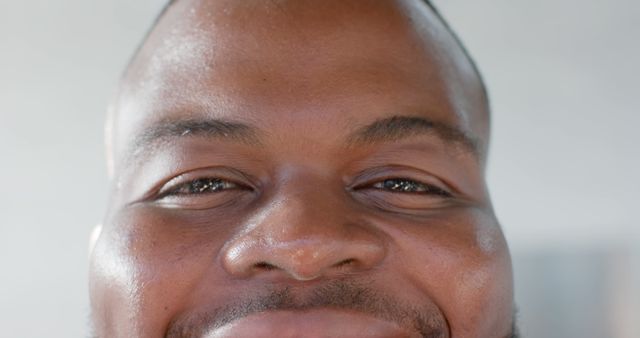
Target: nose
[{"x": 304, "y": 234}]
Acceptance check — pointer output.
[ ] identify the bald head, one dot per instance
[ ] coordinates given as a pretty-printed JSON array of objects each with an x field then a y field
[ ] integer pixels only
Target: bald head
[
  {"x": 310, "y": 167},
  {"x": 427, "y": 2},
  {"x": 195, "y": 44}
]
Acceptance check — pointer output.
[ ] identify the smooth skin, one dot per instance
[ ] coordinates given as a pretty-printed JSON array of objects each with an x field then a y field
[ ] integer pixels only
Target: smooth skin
[{"x": 294, "y": 168}]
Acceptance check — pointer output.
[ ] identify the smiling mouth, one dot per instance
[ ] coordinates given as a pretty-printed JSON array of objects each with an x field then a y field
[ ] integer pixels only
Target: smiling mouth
[{"x": 314, "y": 323}]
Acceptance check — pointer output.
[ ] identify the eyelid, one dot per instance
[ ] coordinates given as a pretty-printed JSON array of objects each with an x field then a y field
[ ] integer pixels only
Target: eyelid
[
  {"x": 431, "y": 189},
  {"x": 241, "y": 180},
  {"x": 375, "y": 175},
  {"x": 172, "y": 190}
]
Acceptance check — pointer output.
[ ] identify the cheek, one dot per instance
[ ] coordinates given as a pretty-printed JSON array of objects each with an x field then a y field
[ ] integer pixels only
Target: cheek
[
  {"x": 146, "y": 267},
  {"x": 462, "y": 262},
  {"x": 482, "y": 299},
  {"x": 112, "y": 288}
]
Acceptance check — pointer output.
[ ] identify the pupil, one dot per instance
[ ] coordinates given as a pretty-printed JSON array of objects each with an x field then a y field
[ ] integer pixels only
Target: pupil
[
  {"x": 400, "y": 185},
  {"x": 204, "y": 185}
]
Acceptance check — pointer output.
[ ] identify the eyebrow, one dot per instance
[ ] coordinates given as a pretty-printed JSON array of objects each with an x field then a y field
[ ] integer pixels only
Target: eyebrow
[
  {"x": 397, "y": 128},
  {"x": 167, "y": 130},
  {"x": 390, "y": 129}
]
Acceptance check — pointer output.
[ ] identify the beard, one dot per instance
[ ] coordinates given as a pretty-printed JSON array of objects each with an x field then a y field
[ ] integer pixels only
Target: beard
[{"x": 339, "y": 295}]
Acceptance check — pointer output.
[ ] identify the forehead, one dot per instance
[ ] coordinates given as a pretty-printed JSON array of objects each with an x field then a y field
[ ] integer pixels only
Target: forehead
[{"x": 319, "y": 67}]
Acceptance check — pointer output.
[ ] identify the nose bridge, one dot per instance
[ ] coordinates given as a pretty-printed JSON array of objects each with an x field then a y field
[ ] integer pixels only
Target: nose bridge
[
  {"x": 306, "y": 231},
  {"x": 311, "y": 208}
]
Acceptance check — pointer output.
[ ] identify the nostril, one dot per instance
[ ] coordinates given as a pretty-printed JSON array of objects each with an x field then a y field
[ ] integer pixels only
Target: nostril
[{"x": 264, "y": 266}]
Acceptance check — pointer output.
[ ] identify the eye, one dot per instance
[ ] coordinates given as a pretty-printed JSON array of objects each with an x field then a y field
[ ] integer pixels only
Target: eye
[
  {"x": 200, "y": 186},
  {"x": 405, "y": 194},
  {"x": 204, "y": 189},
  {"x": 403, "y": 185}
]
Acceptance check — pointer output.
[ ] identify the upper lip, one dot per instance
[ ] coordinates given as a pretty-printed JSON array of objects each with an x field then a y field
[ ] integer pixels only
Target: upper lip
[{"x": 318, "y": 322}]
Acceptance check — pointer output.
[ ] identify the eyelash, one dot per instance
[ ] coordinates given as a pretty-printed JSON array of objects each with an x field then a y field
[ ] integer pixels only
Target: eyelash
[
  {"x": 394, "y": 185},
  {"x": 201, "y": 186},
  {"x": 409, "y": 186}
]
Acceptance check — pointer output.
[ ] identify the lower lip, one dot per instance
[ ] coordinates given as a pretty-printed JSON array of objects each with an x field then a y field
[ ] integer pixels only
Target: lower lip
[{"x": 310, "y": 323}]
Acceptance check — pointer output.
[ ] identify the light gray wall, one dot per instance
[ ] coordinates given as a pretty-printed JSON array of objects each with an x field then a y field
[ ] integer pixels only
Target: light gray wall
[
  {"x": 564, "y": 162},
  {"x": 564, "y": 81}
]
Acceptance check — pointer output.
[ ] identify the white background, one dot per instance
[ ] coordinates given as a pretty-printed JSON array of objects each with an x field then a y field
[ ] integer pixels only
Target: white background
[{"x": 564, "y": 167}]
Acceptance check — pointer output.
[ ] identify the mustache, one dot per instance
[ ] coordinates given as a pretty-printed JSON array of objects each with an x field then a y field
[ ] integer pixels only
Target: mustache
[{"x": 341, "y": 295}]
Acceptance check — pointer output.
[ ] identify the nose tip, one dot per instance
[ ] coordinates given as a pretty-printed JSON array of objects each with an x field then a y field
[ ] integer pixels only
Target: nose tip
[
  {"x": 305, "y": 261},
  {"x": 302, "y": 260},
  {"x": 306, "y": 231}
]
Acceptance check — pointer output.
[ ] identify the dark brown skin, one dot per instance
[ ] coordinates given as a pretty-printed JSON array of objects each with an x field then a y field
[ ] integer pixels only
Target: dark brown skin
[{"x": 300, "y": 168}]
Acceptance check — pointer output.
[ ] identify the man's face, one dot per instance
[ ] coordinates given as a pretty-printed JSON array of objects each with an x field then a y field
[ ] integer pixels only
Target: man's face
[{"x": 300, "y": 168}]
